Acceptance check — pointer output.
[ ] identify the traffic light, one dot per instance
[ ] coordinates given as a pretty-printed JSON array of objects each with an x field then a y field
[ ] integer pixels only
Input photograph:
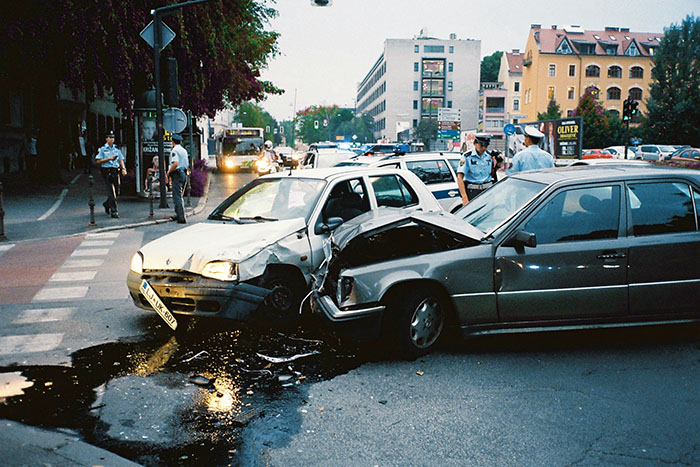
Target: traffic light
[
  {"x": 627, "y": 110},
  {"x": 169, "y": 77},
  {"x": 634, "y": 111}
]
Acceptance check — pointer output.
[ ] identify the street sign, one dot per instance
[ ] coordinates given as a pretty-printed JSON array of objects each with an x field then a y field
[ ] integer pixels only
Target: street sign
[
  {"x": 448, "y": 114},
  {"x": 174, "y": 120},
  {"x": 448, "y": 125},
  {"x": 166, "y": 34},
  {"x": 509, "y": 129}
]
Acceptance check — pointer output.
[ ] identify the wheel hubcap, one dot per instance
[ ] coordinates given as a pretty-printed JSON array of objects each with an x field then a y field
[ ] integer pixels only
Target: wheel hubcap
[{"x": 426, "y": 323}]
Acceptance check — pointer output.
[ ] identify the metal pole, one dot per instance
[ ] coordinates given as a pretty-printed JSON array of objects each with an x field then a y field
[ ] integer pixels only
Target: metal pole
[
  {"x": 91, "y": 201},
  {"x": 190, "y": 159},
  {"x": 2, "y": 214},
  {"x": 150, "y": 196},
  {"x": 159, "y": 106}
]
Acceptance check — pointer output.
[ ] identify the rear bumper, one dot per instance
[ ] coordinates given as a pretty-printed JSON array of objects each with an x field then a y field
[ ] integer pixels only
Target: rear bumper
[{"x": 191, "y": 294}]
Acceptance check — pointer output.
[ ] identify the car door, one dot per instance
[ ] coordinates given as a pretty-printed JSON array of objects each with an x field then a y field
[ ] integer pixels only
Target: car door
[
  {"x": 577, "y": 270},
  {"x": 438, "y": 177},
  {"x": 664, "y": 261}
]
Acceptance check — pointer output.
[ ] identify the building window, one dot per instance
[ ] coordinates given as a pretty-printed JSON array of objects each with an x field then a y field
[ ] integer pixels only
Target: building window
[
  {"x": 433, "y": 68},
  {"x": 449, "y": 104},
  {"x": 636, "y": 94},
  {"x": 452, "y": 49},
  {"x": 592, "y": 71},
  {"x": 434, "y": 49},
  {"x": 450, "y": 67},
  {"x": 416, "y": 49},
  {"x": 614, "y": 94},
  {"x": 632, "y": 50},
  {"x": 570, "y": 92},
  {"x": 415, "y": 105},
  {"x": 569, "y": 113},
  {"x": 552, "y": 69},
  {"x": 550, "y": 92},
  {"x": 572, "y": 70},
  {"x": 614, "y": 72},
  {"x": 415, "y": 85},
  {"x": 610, "y": 50},
  {"x": 516, "y": 104},
  {"x": 415, "y": 66},
  {"x": 415, "y": 122},
  {"x": 449, "y": 85},
  {"x": 636, "y": 72}
]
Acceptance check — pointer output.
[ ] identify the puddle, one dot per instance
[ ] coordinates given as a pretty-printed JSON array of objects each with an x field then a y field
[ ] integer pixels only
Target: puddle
[{"x": 175, "y": 398}]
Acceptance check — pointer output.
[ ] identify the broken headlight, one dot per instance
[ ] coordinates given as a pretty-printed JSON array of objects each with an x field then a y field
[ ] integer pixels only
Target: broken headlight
[
  {"x": 137, "y": 263},
  {"x": 221, "y": 270},
  {"x": 344, "y": 289}
]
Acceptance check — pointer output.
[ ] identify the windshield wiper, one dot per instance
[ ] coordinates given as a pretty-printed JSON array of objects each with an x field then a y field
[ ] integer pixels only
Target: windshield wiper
[
  {"x": 222, "y": 217},
  {"x": 258, "y": 219}
]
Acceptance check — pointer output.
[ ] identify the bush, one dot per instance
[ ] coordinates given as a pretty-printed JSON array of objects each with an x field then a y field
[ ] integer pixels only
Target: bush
[{"x": 198, "y": 177}]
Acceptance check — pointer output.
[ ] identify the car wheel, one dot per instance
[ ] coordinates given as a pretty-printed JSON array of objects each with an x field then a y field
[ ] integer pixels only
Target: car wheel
[
  {"x": 281, "y": 306},
  {"x": 419, "y": 318}
]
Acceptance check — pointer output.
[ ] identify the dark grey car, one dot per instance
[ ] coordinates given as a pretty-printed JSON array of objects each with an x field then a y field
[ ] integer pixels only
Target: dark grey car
[{"x": 559, "y": 248}]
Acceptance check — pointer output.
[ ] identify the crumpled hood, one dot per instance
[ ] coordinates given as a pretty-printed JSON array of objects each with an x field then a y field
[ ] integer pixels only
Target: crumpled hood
[
  {"x": 189, "y": 249},
  {"x": 388, "y": 218}
]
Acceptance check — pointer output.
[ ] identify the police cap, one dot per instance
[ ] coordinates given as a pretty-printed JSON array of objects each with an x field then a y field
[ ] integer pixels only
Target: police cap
[
  {"x": 482, "y": 138},
  {"x": 177, "y": 138},
  {"x": 533, "y": 132},
  {"x": 109, "y": 134}
]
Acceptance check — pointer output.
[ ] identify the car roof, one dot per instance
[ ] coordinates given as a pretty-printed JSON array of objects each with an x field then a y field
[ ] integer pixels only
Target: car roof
[
  {"x": 331, "y": 173},
  {"x": 371, "y": 160},
  {"x": 606, "y": 172}
]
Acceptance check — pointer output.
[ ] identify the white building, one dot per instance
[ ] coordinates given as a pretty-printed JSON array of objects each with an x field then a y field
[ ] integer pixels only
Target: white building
[{"x": 414, "y": 77}]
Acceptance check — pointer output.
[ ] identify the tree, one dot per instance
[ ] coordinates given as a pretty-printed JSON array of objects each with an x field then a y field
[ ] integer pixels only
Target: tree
[
  {"x": 93, "y": 47},
  {"x": 553, "y": 111},
  {"x": 490, "y": 66},
  {"x": 596, "y": 123},
  {"x": 673, "y": 107},
  {"x": 427, "y": 131},
  {"x": 252, "y": 115}
]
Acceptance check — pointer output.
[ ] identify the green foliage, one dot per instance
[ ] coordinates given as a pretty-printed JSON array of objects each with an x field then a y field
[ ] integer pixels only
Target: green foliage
[
  {"x": 339, "y": 122},
  {"x": 553, "y": 111},
  {"x": 490, "y": 66},
  {"x": 427, "y": 131},
  {"x": 673, "y": 107},
  {"x": 252, "y": 115},
  {"x": 597, "y": 130}
]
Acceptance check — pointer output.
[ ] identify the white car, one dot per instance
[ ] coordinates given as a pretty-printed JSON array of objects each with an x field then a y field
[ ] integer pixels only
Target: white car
[
  {"x": 618, "y": 150},
  {"x": 253, "y": 257},
  {"x": 654, "y": 152},
  {"x": 324, "y": 158},
  {"x": 437, "y": 170}
]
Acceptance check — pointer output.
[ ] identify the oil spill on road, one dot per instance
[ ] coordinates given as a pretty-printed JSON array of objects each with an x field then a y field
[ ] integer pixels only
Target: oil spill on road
[{"x": 178, "y": 398}]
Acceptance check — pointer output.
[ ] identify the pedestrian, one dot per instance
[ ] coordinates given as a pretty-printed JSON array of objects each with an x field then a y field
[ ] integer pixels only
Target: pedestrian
[
  {"x": 177, "y": 173},
  {"x": 532, "y": 157},
  {"x": 111, "y": 162},
  {"x": 30, "y": 153},
  {"x": 474, "y": 171}
]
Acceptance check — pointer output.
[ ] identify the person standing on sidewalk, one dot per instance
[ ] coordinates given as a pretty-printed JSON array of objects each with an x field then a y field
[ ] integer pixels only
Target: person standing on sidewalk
[
  {"x": 474, "y": 171},
  {"x": 111, "y": 162},
  {"x": 177, "y": 173}
]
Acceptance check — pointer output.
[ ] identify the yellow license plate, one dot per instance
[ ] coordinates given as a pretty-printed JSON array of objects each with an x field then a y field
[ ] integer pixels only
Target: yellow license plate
[{"x": 158, "y": 304}]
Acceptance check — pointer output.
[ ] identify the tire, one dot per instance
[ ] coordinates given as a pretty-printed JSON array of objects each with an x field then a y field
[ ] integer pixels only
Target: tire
[
  {"x": 281, "y": 307},
  {"x": 418, "y": 319}
]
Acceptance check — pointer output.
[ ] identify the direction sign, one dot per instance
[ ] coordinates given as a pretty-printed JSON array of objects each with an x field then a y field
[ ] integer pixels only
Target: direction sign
[
  {"x": 509, "y": 129},
  {"x": 448, "y": 114},
  {"x": 166, "y": 34},
  {"x": 174, "y": 120},
  {"x": 450, "y": 125}
]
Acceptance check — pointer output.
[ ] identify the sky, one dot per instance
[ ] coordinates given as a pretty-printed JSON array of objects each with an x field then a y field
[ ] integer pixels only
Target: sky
[{"x": 324, "y": 52}]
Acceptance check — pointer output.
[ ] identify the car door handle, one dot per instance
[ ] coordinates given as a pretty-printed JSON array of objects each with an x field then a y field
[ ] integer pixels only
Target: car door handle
[
  {"x": 611, "y": 255},
  {"x": 452, "y": 193}
]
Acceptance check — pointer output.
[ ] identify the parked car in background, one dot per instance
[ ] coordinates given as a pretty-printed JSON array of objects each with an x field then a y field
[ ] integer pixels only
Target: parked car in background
[
  {"x": 555, "y": 249},
  {"x": 324, "y": 158},
  {"x": 384, "y": 148},
  {"x": 607, "y": 162},
  {"x": 285, "y": 155},
  {"x": 617, "y": 152},
  {"x": 654, "y": 152},
  {"x": 438, "y": 170},
  {"x": 253, "y": 256},
  {"x": 596, "y": 154},
  {"x": 687, "y": 154}
]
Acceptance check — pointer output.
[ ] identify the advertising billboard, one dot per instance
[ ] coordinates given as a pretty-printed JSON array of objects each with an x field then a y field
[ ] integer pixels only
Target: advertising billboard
[{"x": 563, "y": 137}]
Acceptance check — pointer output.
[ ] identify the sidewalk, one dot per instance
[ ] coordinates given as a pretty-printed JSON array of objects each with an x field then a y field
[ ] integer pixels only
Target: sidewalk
[{"x": 47, "y": 211}]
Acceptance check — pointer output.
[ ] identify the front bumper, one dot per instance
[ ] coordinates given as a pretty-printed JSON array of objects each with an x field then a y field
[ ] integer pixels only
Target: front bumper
[
  {"x": 361, "y": 323},
  {"x": 191, "y": 294}
]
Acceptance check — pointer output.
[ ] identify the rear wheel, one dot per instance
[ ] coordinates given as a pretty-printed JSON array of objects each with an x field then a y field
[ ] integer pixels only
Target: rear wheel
[{"x": 418, "y": 317}]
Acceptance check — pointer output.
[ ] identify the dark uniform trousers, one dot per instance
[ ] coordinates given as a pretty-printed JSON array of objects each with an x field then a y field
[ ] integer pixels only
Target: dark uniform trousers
[
  {"x": 111, "y": 179},
  {"x": 474, "y": 189},
  {"x": 179, "y": 179}
]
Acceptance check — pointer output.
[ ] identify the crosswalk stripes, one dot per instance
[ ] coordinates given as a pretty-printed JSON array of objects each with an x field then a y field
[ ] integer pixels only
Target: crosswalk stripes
[
  {"x": 43, "y": 315},
  {"x": 10, "y": 345}
]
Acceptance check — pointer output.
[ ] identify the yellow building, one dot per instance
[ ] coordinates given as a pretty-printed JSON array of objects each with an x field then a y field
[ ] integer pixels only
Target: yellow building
[{"x": 562, "y": 63}]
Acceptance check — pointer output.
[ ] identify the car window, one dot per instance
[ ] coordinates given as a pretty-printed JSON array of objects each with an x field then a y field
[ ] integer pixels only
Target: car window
[
  {"x": 578, "y": 214},
  {"x": 658, "y": 208},
  {"x": 348, "y": 199},
  {"x": 393, "y": 165},
  {"x": 432, "y": 171},
  {"x": 393, "y": 191},
  {"x": 695, "y": 155},
  {"x": 454, "y": 163}
]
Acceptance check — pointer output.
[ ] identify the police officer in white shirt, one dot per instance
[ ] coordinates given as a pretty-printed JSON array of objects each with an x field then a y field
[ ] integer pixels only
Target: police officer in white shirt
[
  {"x": 532, "y": 157},
  {"x": 110, "y": 159},
  {"x": 474, "y": 171},
  {"x": 179, "y": 162}
]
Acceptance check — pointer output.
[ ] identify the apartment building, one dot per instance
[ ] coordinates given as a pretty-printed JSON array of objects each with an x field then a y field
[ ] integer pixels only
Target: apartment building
[
  {"x": 560, "y": 63},
  {"x": 412, "y": 78},
  {"x": 510, "y": 74}
]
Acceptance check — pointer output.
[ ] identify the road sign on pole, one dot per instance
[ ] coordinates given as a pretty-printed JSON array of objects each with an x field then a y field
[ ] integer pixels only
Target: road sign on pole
[{"x": 166, "y": 34}]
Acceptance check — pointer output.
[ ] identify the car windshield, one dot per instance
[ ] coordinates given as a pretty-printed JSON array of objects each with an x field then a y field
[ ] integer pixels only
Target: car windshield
[
  {"x": 330, "y": 159},
  {"x": 494, "y": 206},
  {"x": 346, "y": 163},
  {"x": 667, "y": 148},
  {"x": 271, "y": 199}
]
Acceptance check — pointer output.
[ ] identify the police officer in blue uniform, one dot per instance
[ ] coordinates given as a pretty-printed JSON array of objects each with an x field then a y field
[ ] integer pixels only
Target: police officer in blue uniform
[
  {"x": 474, "y": 171},
  {"x": 532, "y": 157},
  {"x": 111, "y": 162},
  {"x": 179, "y": 163}
]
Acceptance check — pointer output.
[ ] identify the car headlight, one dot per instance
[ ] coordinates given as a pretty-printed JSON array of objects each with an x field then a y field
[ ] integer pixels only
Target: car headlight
[
  {"x": 344, "y": 290},
  {"x": 137, "y": 263},
  {"x": 228, "y": 163},
  {"x": 221, "y": 270}
]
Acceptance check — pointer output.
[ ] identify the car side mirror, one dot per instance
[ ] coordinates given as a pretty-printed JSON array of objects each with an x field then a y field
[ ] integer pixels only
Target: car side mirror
[
  {"x": 521, "y": 238},
  {"x": 327, "y": 227}
]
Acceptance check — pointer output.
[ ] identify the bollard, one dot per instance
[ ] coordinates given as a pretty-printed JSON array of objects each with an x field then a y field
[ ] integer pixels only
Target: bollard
[
  {"x": 91, "y": 203},
  {"x": 189, "y": 188},
  {"x": 2, "y": 215},
  {"x": 150, "y": 196}
]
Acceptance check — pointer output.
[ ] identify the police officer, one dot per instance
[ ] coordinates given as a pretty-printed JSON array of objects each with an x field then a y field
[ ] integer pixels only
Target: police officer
[
  {"x": 532, "y": 157},
  {"x": 474, "y": 171},
  {"x": 111, "y": 162},
  {"x": 177, "y": 173}
]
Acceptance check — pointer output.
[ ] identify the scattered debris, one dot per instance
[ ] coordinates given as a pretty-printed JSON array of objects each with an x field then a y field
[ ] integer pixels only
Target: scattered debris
[
  {"x": 419, "y": 373},
  {"x": 199, "y": 355},
  {"x": 287, "y": 359},
  {"x": 200, "y": 380}
]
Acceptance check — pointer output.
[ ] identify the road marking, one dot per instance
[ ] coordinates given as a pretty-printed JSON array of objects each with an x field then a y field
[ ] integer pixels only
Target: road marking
[
  {"x": 60, "y": 293},
  {"x": 55, "y": 205},
  {"x": 90, "y": 252},
  {"x": 83, "y": 263},
  {"x": 75, "y": 179},
  {"x": 92, "y": 236},
  {"x": 6, "y": 247},
  {"x": 11, "y": 384},
  {"x": 43, "y": 315},
  {"x": 73, "y": 276},
  {"x": 29, "y": 343},
  {"x": 92, "y": 243}
]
